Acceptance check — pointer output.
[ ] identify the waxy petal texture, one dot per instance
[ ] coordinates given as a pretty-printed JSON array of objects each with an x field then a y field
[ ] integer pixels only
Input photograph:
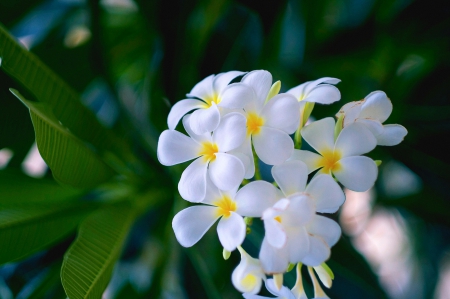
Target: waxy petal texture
[
  {"x": 273, "y": 146},
  {"x": 226, "y": 171},
  {"x": 231, "y": 231},
  {"x": 192, "y": 185},
  {"x": 320, "y": 134},
  {"x": 325, "y": 228},
  {"x": 282, "y": 112},
  {"x": 327, "y": 194},
  {"x": 255, "y": 197},
  {"x": 355, "y": 140},
  {"x": 192, "y": 223},
  {"x": 291, "y": 176},
  {"x": 203, "y": 89},
  {"x": 392, "y": 135},
  {"x": 175, "y": 147},
  {"x": 376, "y": 106},
  {"x": 205, "y": 120},
  {"x": 357, "y": 173},
  {"x": 180, "y": 109},
  {"x": 231, "y": 132},
  {"x": 309, "y": 158}
]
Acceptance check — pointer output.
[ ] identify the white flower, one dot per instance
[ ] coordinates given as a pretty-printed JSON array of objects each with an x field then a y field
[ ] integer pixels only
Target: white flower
[
  {"x": 225, "y": 170},
  {"x": 192, "y": 223},
  {"x": 283, "y": 293},
  {"x": 268, "y": 123},
  {"x": 213, "y": 92},
  {"x": 294, "y": 233},
  {"x": 341, "y": 158},
  {"x": 318, "y": 91},
  {"x": 372, "y": 112},
  {"x": 248, "y": 275}
]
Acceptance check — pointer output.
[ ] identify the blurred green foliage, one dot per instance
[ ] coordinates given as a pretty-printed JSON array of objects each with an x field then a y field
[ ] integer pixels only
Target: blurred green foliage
[{"x": 131, "y": 62}]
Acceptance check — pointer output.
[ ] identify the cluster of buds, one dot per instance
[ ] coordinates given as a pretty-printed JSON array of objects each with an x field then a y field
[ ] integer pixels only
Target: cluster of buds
[{"x": 231, "y": 128}]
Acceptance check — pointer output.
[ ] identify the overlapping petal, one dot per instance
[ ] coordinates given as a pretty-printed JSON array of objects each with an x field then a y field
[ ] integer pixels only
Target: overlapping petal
[
  {"x": 260, "y": 81},
  {"x": 226, "y": 171},
  {"x": 282, "y": 112},
  {"x": 355, "y": 140},
  {"x": 180, "y": 109},
  {"x": 291, "y": 176},
  {"x": 221, "y": 81},
  {"x": 319, "y": 252},
  {"x": 327, "y": 194},
  {"x": 199, "y": 138},
  {"x": 357, "y": 173},
  {"x": 231, "y": 132},
  {"x": 192, "y": 223},
  {"x": 192, "y": 185},
  {"x": 309, "y": 158},
  {"x": 376, "y": 106},
  {"x": 175, "y": 147},
  {"x": 323, "y": 94},
  {"x": 320, "y": 134},
  {"x": 298, "y": 244},
  {"x": 205, "y": 120},
  {"x": 203, "y": 89},
  {"x": 255, "y": 197},
  {"x": 231, "y": 231},
  {"x": 236, "y": 96},
  {"x": 273, "y": 146},
  {"x": 273, "y": 260},
  {"x": 275, "y": 234},
  {"x": 325, "y": 228}
]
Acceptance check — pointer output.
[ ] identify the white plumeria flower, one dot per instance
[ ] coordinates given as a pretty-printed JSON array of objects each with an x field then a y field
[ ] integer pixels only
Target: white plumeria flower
[
  {"x": 192, "y": 223},
  {"x": 318, "y": 292},
  {"x": 213, "y": 92},
  {"x": 341, "y": 158},
  {"x": 372, "y": 111},
  {"x": 283, "y": 293},
  {"x": 225, "y": 170},
  {"x": 294, "y": 232},
  {"x": 318, "y": 91},
  {"x": 268, "y": 123},
  {"x": 248, "y": 275}
]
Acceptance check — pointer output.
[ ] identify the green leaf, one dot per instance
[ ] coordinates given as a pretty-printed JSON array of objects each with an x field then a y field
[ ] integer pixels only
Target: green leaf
[
  {"x": 28, "y": 228},
  {"x": 72, "y": 162},
  {"x": 89, "y": 262},
  {"x": 49, "y": 88}
]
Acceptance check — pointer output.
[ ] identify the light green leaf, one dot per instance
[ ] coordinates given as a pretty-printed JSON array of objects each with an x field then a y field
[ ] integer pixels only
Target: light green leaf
[
  {"x": 72, "y": 162},
  {"x": 89, "y": 262},
  {"x": 28, "y": 228}
]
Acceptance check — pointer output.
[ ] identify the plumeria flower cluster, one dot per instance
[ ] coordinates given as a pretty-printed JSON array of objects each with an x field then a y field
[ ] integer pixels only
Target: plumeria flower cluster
[{"x": 232, "y": 121}]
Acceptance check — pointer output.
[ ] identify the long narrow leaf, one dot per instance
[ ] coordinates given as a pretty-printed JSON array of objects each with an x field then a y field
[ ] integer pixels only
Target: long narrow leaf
[
  {"x": 25, "y": 229},
  {"x": 71, "y": 161},
  {"x": 89, "y": 262},
  {"x": 48, "y": 88}
]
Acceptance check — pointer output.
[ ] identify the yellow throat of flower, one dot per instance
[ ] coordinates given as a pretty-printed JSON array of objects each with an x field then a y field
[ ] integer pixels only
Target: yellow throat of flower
[
  {"x": 254, "y": 123},
  {"x": 225, "y": 206},
  {"x": 213, "y": 98},
  {"x": 208, "y": 151},
  {"x": 330, "y": 161}
]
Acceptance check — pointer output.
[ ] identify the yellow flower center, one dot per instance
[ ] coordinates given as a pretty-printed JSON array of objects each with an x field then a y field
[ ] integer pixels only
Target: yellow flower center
[
  {"x": 225, "y": 206},
  {"x": 209, "y": 151},
  {"x": 254, "y": 123},
  {"x": 278, "y": 218},
  {"x": 249, "y": 281},
  {"x": 212, "y": 98},
  {"x": 330, "y": 161}
]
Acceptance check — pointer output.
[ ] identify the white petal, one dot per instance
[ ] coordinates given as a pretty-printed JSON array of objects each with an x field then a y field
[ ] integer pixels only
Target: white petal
[
  {"x": 320, "y": 134},
  {"x": 392, "y": 135},
  {"x": 291, "y": 176},
  {"x": 231, "y": 231},
  {"x": 319, "y": 252},
  {"x": 373, "y": 125},
  {"x": 223, "y": 79},
  {"x": 282, "y": 112},
  {"x": 273, "y": 146},
  {"x": 355, "y": 140},
  {"x": 212, "y": 194},
  {"x": 309, "y": 158},
  {"x": 327, "y": 194},
  {"x": 205, "y": 120},
  {"x": 313, "y": 84},
  {"x": 323, "y": 94},
  {"x": 298, "y": 244},
  {"x": 300, "y": 212},
  {"x": 206, "y": 137},
  {"x": 180, "y": 109},
  {"x": 192, "y": 185},
  {"x": 275, "y": 234},
  {"x": 231, "y": 132},
  {"x": 326, "y": 229},
  {"x": 237, "y": 96},
  {"x": 260, "y": 81},
  {"x": 376, "y": 106},
  {"x": 192, "y": 223},
  {"x": 246, "y": 150},
  {"x": 283, "y": 293},
  {"x": 175, "y": 147},
  {"x": 226, "y": 171},
  {"x": 357, "y": 173},
  {"x": 255, "y": 197},
  {"x": 203, "y": 89},
  {"x": 273, "y": 260},
  {"x": 352, "y": 111}
]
